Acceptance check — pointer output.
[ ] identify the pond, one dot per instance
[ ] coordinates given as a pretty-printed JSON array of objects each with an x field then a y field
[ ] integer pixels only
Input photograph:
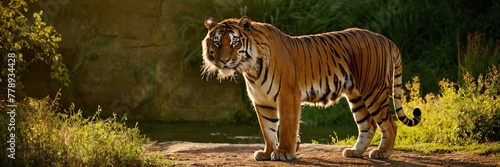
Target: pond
[{"x": 229, "y": 133}]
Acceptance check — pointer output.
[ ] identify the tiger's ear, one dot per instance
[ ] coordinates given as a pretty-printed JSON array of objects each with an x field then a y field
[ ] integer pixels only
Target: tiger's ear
[
  {"x": 245, "y": 22},
  {"x": 210, "y": 22}
]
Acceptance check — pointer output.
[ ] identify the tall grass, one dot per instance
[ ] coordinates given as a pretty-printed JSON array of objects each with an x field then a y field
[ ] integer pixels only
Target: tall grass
[
  {"x": 46, "y": 137},
  {"x": 458, "y": 118},
  {"x": 458, "y": 115},
  {"x": 480, "y": 54}
]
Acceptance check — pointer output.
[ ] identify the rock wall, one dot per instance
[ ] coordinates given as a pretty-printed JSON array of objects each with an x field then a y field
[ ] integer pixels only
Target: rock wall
[{"x": 122, "y": 56}]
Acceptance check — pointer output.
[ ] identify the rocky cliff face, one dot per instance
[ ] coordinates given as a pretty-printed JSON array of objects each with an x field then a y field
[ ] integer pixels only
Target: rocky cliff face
[{"x": 122, "y": 56}]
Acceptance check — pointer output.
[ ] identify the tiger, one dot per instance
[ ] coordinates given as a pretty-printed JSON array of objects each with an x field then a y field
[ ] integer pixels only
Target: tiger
[{"x": 282, "y": 72}]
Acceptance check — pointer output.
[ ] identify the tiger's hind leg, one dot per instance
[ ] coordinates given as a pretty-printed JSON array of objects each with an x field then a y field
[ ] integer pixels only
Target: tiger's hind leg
[
  {"x": 382, "y": 115},
  {"x": 366, "y": 125}
]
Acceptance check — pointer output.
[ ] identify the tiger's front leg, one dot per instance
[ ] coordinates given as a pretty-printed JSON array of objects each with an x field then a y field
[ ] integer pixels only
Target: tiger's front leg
[
  {"x": 268, "y": 120},
  {"x": 289, "y": 112}
]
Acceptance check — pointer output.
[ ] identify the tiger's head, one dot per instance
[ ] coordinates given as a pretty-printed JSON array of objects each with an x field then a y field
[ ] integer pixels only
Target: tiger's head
[{"x": 226, "y": 48}]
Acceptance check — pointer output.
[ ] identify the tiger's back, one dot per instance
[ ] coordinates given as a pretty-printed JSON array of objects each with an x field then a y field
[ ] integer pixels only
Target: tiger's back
[
  {"x": 333, "y": 61},
  {"x": 283, "y": 71}
]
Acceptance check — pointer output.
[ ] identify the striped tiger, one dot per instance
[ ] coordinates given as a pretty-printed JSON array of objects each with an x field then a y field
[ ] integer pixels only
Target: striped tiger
[{"x": 282, "y": 72}]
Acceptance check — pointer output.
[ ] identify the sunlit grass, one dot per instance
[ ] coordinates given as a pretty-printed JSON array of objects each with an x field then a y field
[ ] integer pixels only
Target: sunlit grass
[
  {"x": 47, "y": 137},
  {"x": 459, "y": 118},
  {"x": 428, "y": 148}
]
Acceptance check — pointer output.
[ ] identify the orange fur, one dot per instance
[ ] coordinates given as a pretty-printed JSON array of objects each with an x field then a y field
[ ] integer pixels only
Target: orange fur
[{"x": 282, "y": 72}]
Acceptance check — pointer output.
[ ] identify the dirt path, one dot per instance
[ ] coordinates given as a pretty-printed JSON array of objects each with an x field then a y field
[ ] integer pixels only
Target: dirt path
[{"x": 210, "y": 154}]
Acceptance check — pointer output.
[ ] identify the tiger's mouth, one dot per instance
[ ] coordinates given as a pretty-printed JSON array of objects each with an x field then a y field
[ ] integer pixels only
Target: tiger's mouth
[
  {"x": 224, "y": 70},
  {"x": 229, "y": 68},
  {"x": 227, "y": 72}
]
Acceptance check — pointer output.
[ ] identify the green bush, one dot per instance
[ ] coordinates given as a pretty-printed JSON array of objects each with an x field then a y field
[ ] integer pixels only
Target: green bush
[
  {"x": 339, "y": 113},
  {"x": 458, "y": 115},
  {"x": 45, "y": 137},
  {"x": 459, "y": 118},
  {"x": 465, "y": 113},
  {"x": 31, "y": 40}
]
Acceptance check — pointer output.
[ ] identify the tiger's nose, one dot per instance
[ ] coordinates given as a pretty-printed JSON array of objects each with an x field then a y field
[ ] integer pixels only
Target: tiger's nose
[{"x": 224, "y": 59}]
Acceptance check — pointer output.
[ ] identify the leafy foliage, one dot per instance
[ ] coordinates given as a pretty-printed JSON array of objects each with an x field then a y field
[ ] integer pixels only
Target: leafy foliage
[
  {"x": 31, "y": 40},
  {"x": 465, "y": 115},
  {"x": 459, "y": 118},
  {"x": 46, "y": 137}
]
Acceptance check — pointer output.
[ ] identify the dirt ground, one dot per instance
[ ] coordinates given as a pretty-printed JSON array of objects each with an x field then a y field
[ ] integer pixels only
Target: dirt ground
[{"x": 215, "y": 154}]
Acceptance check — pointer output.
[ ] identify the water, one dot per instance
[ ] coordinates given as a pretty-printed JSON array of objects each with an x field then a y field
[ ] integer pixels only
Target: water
[{"x": 243, "y": 134}]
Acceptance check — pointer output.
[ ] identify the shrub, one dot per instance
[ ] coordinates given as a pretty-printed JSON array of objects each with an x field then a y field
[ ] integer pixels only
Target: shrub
[
  {"x": 458, "y": 115},
  {"x": 32, "y": 41},
  {"x": 45, "y": 137},
  {"x": 458, "y": 118}
]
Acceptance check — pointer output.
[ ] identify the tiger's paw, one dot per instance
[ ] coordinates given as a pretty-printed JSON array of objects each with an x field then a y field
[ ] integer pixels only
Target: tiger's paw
[
  {"x": 352, "y": 153},
  {"x": 261, "y": 156},
  {"x": 278, "y": 155},
  {"x": 377, "y": 154}
]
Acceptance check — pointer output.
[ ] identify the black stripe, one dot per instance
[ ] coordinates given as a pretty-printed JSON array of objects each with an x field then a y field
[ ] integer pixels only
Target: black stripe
[
  {"x": 399, "y": 109},
  {"x": 397, "y": 75},
  {"x": 344, "y": 73},
  {"x": 356, "y": 100},
  {"x": 379, "y": 109},
  {"x": 265, "y": 76},
  {"x": 368, "y": 96},
  {"x": 251, "y": 81},
  {"x": 261, "y": 64},
  {"x": 265, "y": 107},
  {"x": 271, "y": 85},
  {"x": 312, "y": 94},
  {"x": 273, "y": 120},
  {"x": 364, "y": 119},
  {"x": 325, "y": 95},
  {"x": 279, "y": 88},
  {"x": 376, "y": 112},
  {"x": 377, "y": 96},
  {"x": 387, "y": 116},
  {"x": 274, "y": 130},
  {"x": 336, "y": 82},
  {"x": 354, "y": 110},
  {"x": 397, "y": 85},
  {"x": 335, "y": 52},
  {"x": 329, "y": 70},
  {"x": 334, "y": 96}
]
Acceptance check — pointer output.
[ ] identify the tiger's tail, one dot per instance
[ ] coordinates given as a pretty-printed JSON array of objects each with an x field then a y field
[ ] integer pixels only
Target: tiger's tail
[{"x": 398, "y": 93}]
